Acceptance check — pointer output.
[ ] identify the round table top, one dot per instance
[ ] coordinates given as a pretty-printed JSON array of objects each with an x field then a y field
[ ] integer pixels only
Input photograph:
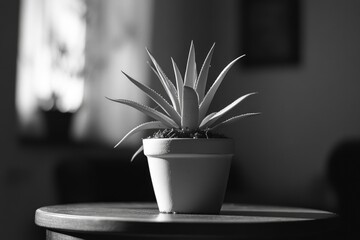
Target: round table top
[{"x": 145, "y": 219}]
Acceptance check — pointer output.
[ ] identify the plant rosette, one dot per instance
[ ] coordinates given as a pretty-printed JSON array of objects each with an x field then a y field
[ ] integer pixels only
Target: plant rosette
[{"x": 189, "y": 161}]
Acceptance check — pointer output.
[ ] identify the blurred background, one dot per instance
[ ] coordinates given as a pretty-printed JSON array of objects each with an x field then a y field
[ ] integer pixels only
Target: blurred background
[{"x": 59, "y": 59}]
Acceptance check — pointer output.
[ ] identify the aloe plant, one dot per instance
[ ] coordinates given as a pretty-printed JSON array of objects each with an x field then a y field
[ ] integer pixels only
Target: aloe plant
[{"x": 189, "y": 101}]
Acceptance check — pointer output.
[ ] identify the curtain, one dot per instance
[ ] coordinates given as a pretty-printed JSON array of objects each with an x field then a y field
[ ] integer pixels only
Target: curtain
[{"x": 71, "y": 54}]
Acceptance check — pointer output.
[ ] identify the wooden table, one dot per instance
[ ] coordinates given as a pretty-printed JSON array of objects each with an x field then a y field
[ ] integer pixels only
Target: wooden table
[{"x": 139, "y": 221}]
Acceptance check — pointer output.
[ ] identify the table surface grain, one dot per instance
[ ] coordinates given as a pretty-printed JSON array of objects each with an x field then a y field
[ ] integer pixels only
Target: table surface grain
[{"x": 145, "y": 219}]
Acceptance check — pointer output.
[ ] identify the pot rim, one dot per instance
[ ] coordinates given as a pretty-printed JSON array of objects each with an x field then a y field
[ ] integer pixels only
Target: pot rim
[{"x": 160, "y": 146}]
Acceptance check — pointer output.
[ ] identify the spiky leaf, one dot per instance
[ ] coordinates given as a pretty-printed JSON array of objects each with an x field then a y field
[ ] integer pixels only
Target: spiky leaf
[
  {"x": 190, "y": 73},
  {"x": 137, "y": 153},
  {"x": 158, "y": 99},
  {"x": 179, "y": 82},
  {"x": 148, "y": 111},
  {"x": 233, "y": 119},
  {"x": 142, "y": 127},
  {"x": 190, "y": 109},
  {"x": 223, "y": 111},
  {"x": 175, "y": 94},
  {"x": 206, "y": 119},
  {"x": 166, "y": 83},
  {"x": 204, "y": 106},
  {"x": 202, "y": 79}
]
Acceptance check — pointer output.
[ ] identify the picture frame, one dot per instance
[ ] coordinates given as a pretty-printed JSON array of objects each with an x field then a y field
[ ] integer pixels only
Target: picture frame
[{"x": 271, "y": 32}]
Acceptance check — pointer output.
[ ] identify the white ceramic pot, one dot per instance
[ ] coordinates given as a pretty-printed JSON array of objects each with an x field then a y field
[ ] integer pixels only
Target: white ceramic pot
[{"x": 189, "y": 175}]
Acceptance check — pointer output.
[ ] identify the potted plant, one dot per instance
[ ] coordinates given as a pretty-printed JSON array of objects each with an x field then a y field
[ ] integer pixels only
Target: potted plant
[{"x": 188, "y": 159}]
